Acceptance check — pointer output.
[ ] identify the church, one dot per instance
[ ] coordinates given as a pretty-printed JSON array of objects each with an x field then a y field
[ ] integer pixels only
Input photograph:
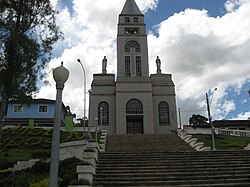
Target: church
[{"x": 133, "y": 102}]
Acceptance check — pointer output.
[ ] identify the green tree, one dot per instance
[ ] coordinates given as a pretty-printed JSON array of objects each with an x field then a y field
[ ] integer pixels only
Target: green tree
[
  {"x": 27, "y": 34},
  {"x": 198, "y": 119}
]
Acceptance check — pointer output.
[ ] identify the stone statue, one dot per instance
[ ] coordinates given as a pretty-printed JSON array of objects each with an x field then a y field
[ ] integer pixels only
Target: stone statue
[
  {"x": 158, "y": 65},
  {"x": 104, "y": 65}
]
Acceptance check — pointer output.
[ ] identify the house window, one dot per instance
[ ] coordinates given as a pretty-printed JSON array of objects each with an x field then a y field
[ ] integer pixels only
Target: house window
[
  {"x": 136, "y": 20},
  {"x": 127, "y": 20},
  {"x": 134, "y": 106},
  {"x": 127, "y": 65},
  {"x": 43, "y": 108},
  {"x": 18, "y": 108},
  {"x": 138, "y": 66},
  {"x": 132, "y": 44},
  {"x": 163, "y": 110},
  {"x": 103, "y": 114}
]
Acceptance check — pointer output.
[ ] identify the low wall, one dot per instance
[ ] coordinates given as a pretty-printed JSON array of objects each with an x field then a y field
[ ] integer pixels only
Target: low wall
[
  {"x": 72, "y": 149},
  {"x": 198, "y": 146},
  {"x": 20, "y": 165},
  {"x": 193, "y": 130},
  {"x": 232, "y": 132}
]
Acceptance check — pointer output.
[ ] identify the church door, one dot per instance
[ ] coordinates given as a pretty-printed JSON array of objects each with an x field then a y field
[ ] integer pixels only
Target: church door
[{"x": 134, "y": 124}]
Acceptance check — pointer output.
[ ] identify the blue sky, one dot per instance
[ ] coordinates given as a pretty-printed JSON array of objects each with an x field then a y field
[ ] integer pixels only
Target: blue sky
[
  {"x": 167, "y": 8},
  {"x": 204, "y": 44}
]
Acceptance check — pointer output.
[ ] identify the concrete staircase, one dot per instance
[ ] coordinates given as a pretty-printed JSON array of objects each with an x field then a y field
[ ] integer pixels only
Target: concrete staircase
[
  {"x": 143, "y": 142},
  {"x": 165, "y": 160}
]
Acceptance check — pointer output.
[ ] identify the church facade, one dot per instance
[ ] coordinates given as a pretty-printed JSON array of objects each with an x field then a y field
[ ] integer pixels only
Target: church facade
[{"x": 133, "y": 102}]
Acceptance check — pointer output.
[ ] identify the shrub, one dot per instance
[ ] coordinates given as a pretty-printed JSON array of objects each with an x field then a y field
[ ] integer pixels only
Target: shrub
[
  {"x": 67, "y": 177},
  {"x": 6, "y": 165},
  {"x": 33, "y": 141},
  {"x": 80, "y": 182},
  {"x": 35, "y": 132},
  {"x": 6, "y": 152},
  {"x": 6, "y": 131},
  {"x": 6, "y": 141},
  {"x": 47, "y": 143},
  {"x": 48, "y": 133},
  {"x": 11, "y": 146},
  {"x": 17, "y": 130},
  {"x": 67, "y": 170},
  {"x": 5, "y": 171},
  {"x": 41, "y": 154},
  {"x": 40, "y": 168},
  {"x": 25, "y": 131},
  {"x": 15, "y": 179},
  {"x": 17, "y": 141},
  {"x": 41, "y": 183}
]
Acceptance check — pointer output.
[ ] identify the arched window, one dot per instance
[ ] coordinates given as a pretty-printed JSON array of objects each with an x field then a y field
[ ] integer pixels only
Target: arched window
[
  {"x": 163, "y": 110},
  {"x": 132, "y": 44},
  {"x": 103, "y": 113},
  {"x": 134, "y": 106}
]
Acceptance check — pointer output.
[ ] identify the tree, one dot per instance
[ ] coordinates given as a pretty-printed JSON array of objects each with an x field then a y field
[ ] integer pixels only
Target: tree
[
  {"x": 196, "y": 120},
  {"x": 27, "y": 34}
]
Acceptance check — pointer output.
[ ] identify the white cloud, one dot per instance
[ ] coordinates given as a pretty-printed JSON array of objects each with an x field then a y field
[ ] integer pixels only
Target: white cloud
[
  {"x": 243, "y": 116},
  {"x": 232, "y": 5},
  {"x": 53, "y": 2},
  {"x": 201, "y": 52}
]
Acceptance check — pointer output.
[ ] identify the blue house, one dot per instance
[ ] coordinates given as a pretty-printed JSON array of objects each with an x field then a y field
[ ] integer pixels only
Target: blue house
[{"x": 38, "y": 112}]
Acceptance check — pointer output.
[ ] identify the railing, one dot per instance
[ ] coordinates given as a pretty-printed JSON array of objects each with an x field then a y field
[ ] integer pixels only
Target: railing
[{"x": 232, "y": 132}]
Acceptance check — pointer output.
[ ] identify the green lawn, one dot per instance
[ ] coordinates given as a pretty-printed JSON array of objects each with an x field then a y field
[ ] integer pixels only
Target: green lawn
[
  {"x": 26, "y": 143},
  {"x": 223, "y": 142}
]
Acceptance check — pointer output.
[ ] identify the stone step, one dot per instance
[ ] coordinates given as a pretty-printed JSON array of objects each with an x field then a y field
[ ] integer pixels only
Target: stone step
[
  {"x": 173, "y": 172},
  {"x": 241, "y": 181},
  {"x": 210, "y": 153},
  {"x": 162, "y": 177},
  {"x": 171, "y": 157},
  {"x": 172, "y": 166},
  {"x": 195, "y": 156}
]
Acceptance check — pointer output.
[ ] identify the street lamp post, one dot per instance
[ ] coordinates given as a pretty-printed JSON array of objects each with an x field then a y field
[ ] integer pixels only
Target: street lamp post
[
  {"x": 210, "y": 119},
  {"x": 84, "y": 100},
  {"x": 89, "y": 134},
  {"x": 60, "y": 75}
]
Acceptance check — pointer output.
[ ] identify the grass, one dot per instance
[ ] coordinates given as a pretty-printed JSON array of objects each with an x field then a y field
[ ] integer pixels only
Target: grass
[{"x": 223, "y": 142}]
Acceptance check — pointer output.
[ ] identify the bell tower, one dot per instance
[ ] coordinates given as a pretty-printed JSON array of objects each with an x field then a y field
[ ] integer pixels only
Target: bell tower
[
  {"x": 132, "y": 49},
  {"x": 134, "y": 102}
]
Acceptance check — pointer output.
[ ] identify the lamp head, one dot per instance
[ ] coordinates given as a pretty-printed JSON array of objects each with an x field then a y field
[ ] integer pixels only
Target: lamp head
[{"x": 61, "y": 74}]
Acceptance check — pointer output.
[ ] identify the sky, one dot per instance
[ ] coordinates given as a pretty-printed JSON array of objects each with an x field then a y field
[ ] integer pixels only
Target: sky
[{"x": 204, "y": 44}]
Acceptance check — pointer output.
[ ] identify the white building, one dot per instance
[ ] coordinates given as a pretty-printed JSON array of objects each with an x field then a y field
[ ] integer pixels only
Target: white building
[{"x": 134, "y": 102}]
